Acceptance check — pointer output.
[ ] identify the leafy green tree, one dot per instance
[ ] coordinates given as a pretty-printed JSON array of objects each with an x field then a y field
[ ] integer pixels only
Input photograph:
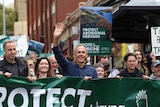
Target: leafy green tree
[{"x": 11, "y": 16}]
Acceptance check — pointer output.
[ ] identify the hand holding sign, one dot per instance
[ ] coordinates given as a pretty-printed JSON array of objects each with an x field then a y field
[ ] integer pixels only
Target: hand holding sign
[{"x": 153, "y": 57}]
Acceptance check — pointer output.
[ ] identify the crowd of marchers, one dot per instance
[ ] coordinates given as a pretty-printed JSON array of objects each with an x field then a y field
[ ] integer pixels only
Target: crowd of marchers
[{"x": 58, "y": 65}]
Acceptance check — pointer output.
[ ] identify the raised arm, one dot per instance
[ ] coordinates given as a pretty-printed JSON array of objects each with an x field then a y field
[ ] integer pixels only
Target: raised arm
[
  {"x": 153, "y": 57},
  {"x": 57, "y": 32}
]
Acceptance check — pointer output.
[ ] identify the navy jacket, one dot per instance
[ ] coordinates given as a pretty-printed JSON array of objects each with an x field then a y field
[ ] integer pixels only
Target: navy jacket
[{"x": 72, "y": 69}]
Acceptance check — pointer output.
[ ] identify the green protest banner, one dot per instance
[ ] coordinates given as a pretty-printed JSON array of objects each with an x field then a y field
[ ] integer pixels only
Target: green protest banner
[{"x": 76, "y": 92}]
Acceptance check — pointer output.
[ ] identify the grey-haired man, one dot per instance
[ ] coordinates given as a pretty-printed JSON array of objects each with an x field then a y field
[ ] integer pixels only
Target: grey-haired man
[{"x": 155, "y": 67}]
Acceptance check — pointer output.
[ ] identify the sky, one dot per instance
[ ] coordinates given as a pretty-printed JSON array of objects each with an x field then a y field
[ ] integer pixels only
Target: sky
[{"x": 7, "y": 2}]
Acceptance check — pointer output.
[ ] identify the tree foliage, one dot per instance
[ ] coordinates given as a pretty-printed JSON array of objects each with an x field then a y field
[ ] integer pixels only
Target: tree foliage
[{"x": 10, "y": 16}]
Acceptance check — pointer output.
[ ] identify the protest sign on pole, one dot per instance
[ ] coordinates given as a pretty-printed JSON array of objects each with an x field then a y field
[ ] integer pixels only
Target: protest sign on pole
[
  {"x": 155, "y": 37},
  {"x": 96, "y": 29},
  {"x": 21, "y": 45},
  {"x": 36, "y": 47}
]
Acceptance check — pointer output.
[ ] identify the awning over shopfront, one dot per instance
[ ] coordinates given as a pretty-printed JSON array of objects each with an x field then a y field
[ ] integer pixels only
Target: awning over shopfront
[{"x": 132, "y": 21}]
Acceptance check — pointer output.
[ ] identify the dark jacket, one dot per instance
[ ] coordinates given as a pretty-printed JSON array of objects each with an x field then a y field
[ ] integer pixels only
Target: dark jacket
[
  {"x": 136, "y": 73},
  {"x": 22, "y": 67},
  {"x": 72, "y": 69}
]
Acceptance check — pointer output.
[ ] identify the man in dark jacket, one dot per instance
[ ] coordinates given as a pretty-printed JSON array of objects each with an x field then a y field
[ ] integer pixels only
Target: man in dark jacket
[{"x": 11, "y": 65}]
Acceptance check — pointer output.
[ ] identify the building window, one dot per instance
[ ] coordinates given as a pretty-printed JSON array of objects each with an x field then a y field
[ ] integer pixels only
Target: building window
[
  {"x": 39, "y": 21},
  {"x": 53, "y": 8}
]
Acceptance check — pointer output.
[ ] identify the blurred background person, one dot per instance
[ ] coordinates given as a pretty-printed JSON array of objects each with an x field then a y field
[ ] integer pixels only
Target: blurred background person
[
  {"x": 104, "y": 60},
  {"x": 33, "y": 56},
  {"x": 106, "y": 63},
  {"x": 109, "y": 71},
  {"x": 31, "y": 66},
  {"x": 156, "y": 70},
  {"x": 100, "y": 70},
  {"x": 55, "y": 66},
  {"x": 140, "y": 62}
]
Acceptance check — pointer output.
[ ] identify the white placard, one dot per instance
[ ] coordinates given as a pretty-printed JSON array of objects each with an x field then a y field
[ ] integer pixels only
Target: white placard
[
  {"x": 155, "y": 37},
  {"x": 131, "y": 48},
  {"x": 22, "y": 45}
]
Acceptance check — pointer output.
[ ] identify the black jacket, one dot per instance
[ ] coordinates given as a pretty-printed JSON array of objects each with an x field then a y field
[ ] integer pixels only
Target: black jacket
[
  {"x": 22, "y": 67},
  {"x": 136, "y": 73}
]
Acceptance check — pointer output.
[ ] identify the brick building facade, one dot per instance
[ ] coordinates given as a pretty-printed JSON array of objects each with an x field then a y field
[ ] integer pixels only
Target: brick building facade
[{"x": 42, "y": 15}]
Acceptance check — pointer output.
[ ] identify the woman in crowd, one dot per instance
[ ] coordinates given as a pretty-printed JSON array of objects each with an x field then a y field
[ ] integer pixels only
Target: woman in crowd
[
  {"x": 43, "y": 70},
  {"x": 140, "y": 62},
  {"x": 104, "y": 60},
  {"x": 100, "y": 70}
]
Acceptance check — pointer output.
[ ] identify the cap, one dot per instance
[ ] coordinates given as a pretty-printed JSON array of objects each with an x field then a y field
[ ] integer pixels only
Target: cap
[{"x": 155, "y": 63}]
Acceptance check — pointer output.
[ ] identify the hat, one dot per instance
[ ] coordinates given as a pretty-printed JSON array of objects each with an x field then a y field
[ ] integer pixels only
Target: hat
[{"x": 155, "y": 63}]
